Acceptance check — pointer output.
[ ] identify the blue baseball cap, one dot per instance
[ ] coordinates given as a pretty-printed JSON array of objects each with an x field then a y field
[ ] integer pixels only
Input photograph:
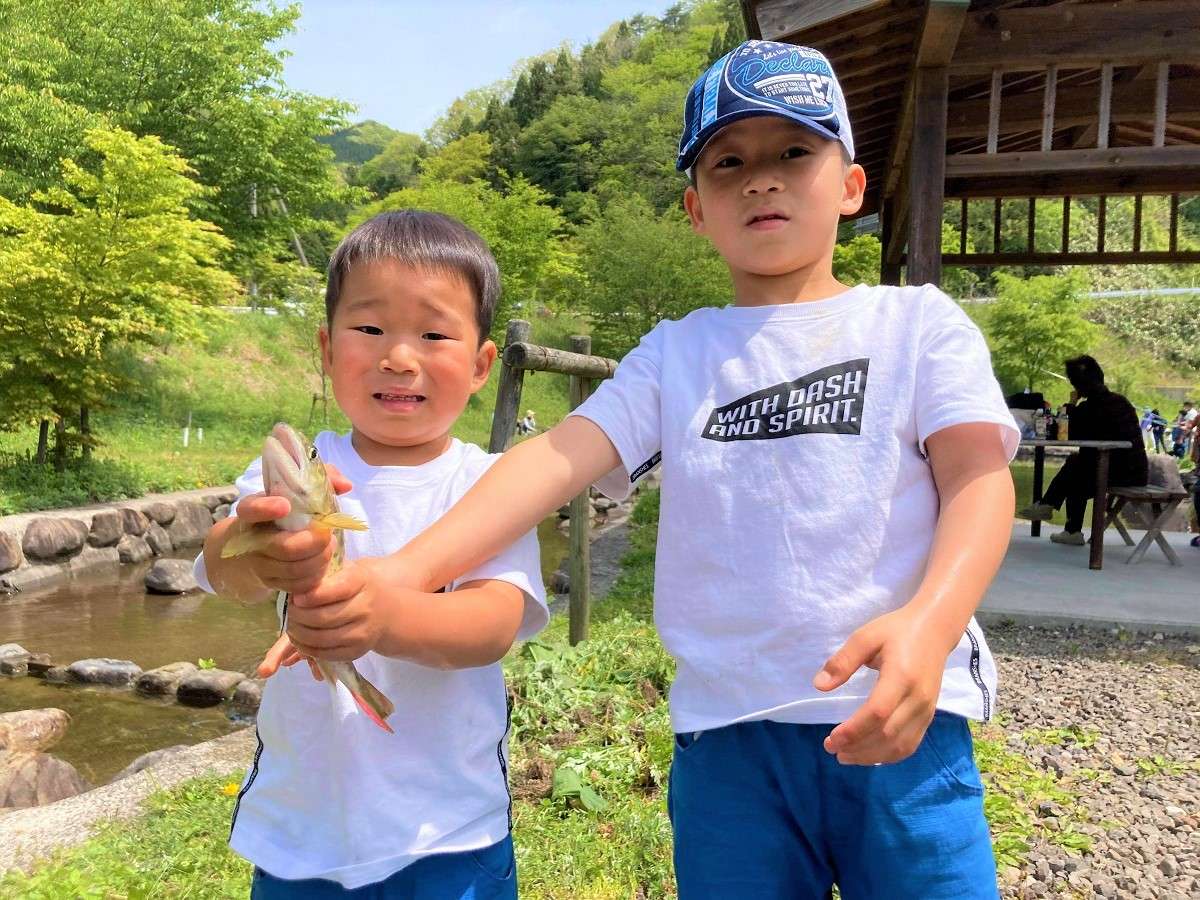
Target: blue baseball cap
[{"x": 764, "y": 78}]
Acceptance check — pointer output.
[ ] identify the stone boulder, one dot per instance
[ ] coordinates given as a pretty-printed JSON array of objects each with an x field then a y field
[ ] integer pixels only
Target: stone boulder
[
  {"x": 208, "y": 687},
  {"x": 107, "y": 528},
  {"x": 14, "y": 665},
  {"x": 560, "y": 582},
  {"x": 248, "y": 696},
  {"x": 57, "y": 675},
  {"x": 116, "y": 672},
  {"x": 12, "y": 650},
  {"x": 10, "y": 552},
  {"x": 162, "y": 513},
  {"x": 51, "y": 539},
  {"x": 1164, "y": 472},
  {"x": 164, "y": 679},
  {"x": 171, "y": 576},
  {"x": 30, "y": 778},
  {"x": 39, "y": 664},
  {"x": 222, "y": 512},
  {"x": 190, "y": 525},
  {"x": 158, "y": 539},
  {"x": 146, "y": 760},
  {"x": 221, "y": 498},
  {"x": 133, "y": 549},
  {"x": 134, "y": 521},
  {"x": 32, "y": 729}
]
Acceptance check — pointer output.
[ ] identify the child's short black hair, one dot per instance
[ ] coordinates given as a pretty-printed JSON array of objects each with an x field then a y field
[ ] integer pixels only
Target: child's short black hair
[{"x": 424, "y": 240}]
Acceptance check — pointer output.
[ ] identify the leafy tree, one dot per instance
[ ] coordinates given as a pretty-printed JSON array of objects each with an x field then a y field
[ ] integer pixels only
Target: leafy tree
[
  {"x": 640, "y": 267},
  {"x": 205, "y": 76},
  {"x": 463, "y": 160},
  {"x": 560, "y": 151},
  {"x": 532, "y": 94},
  {"x": 118, "y": 259},
  {"x": 396, "y": 166},
  {"x": 359, "y": 143},
  {"x": 522, "y": 229},
  {"x": 1034, "y": 325},
  {"x": 857, "y": 260}
]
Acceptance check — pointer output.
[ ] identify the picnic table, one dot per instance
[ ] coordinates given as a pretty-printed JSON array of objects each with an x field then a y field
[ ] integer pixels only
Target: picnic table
[{"x": 1099, "y": 500}]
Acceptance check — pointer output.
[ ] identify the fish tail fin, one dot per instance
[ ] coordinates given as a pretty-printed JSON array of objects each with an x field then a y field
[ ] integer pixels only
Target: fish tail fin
[
  {"x": 341, "y": 520},
  {"x": 246, "y": 541},
  {"x": 369, "y": 698}
]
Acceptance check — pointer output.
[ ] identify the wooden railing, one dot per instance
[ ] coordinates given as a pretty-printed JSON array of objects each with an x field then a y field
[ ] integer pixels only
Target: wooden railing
[{"x": 584, "y": 370}]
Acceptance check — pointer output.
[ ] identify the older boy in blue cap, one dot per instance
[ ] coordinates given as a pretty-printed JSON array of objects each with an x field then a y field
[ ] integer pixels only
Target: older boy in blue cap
[{"x": 835, "y": 500}]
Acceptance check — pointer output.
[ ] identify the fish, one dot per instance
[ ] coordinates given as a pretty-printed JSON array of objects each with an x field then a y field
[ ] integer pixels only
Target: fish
[{"x": 292, "y": 468}]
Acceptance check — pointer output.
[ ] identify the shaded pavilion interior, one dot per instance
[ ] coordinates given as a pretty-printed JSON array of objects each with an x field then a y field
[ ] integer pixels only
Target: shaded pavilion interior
[{"x": 987, "y": 100}]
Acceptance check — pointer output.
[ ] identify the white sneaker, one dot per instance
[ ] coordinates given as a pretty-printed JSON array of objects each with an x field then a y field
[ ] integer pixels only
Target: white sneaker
[
  {"x": 1074, "y": 538},
  {"x": 1037, "y": 512}
]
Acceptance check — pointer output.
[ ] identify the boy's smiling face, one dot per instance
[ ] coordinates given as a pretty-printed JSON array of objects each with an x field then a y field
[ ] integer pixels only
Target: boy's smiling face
[
  {"x": 404, "y": 355},
  {"x": 769, "y": 193}
]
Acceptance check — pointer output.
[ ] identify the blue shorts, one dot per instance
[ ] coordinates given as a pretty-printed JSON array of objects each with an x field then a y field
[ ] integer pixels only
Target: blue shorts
[
  {"x": 761, "y": 810},
  {"x": 486, "y": 874}
]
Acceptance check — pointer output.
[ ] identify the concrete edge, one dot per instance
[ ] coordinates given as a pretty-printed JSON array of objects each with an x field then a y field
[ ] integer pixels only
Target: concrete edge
[
  {"x": 994, "y": 616},
  {"x": 29, "y": 835}
]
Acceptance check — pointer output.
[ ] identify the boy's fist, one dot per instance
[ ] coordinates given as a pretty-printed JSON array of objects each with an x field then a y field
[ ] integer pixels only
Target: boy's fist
[{"x": 291, "y": 561}]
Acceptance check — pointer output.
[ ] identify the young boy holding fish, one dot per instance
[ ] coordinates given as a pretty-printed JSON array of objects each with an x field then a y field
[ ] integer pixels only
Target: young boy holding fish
[
  {"x": 835, "y": 500},
  {"x": 334, "y": 805}
]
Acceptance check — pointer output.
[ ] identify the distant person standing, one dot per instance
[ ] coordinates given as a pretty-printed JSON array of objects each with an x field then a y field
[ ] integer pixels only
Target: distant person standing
[
  {"x": 1147, "y": 426},
  {"x": 1158, "y": 426},
  {"x": 1097, "y": 414}
]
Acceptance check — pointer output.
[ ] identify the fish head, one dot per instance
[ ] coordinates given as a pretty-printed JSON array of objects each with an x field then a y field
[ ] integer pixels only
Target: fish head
[{"x": 293, "y": 469}]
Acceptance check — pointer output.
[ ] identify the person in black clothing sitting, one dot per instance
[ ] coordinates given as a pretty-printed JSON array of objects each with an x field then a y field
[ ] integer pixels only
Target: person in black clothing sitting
[{"x": 1096, "y": 414}]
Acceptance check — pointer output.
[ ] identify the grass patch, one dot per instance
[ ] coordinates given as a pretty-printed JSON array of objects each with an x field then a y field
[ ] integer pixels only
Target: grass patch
[{"x": 248, "y": 372}]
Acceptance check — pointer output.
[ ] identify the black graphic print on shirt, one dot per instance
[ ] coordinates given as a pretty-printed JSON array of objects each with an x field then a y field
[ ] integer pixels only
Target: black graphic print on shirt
[{"x": 827, "y": 401}]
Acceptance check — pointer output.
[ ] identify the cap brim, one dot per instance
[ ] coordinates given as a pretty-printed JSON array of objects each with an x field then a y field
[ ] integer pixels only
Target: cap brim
[{"x": 688, "y": 159}]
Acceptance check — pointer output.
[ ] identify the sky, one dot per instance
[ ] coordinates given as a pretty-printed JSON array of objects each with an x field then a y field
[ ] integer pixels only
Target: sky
[{"x": 402, "y": 62}]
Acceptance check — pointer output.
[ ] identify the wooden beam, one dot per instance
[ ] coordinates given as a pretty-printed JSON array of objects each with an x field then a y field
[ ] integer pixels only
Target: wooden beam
[
  {"x": 997, "y": 209},
  {"x": 1031, "y": 226},
  {"x": 580, "y": 528},
  {"x": 1101, "y": 224},
  {"x": 1160, "y": 103},
  {"x": 779, "y": 18},
  {"x": 1106, "y": 86},
  {"x": 1074, "y": 35},
  {"x": 1048, "y": 108},
  {"x": 1114, "y": 159},
  {"x": 508, "y": 392},
  {"x": 536, "y": 358},
  {"x": 993, "y": 115},
  {"x": 1093, "y": 184},
  {"x": 962, "y": 225},
  {"x": 750, "y": 19},
  {"x": 1116, "y": 257},
  {"x": 1066, "y": 224},
  {"x": 893, "y": 250},
  {"x": 934, "y": 48},
  {"x": 889, "y": 272},
  {"x": 1131, "y": 101},
  {"x": 1173, "y": 239},
  {"x": 926, "y": 176},
  {"x": 1137, "y": 223}
]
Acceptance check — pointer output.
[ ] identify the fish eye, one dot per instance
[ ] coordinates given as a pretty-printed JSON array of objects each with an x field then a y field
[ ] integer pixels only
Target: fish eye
[{"x": 312, "y": 454}]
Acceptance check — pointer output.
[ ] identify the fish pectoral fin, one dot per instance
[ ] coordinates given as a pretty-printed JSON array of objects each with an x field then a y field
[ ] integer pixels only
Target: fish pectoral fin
[
  {"x": 341, "y": 520},
  {"x": 246, "y": 542}
]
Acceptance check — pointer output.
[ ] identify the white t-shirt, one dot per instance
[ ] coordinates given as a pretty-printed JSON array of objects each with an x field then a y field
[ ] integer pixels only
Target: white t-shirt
[
  {"x": 330, "y": 794},
  {"x": 797, "y": 504}
]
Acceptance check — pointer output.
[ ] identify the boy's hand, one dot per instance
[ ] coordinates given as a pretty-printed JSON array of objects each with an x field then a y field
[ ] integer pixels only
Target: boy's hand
[
  {"x": 344, "y": 616},
  {"x": 283, "y": 653},
  {"x": 889, "y": 726},
  {"x": 291, "y": 561}
]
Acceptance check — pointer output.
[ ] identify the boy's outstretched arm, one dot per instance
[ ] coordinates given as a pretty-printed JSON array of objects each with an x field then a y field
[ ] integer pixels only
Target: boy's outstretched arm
[
  {"x": 909, "y": 646},
  {"x": 382, "y": 604}
]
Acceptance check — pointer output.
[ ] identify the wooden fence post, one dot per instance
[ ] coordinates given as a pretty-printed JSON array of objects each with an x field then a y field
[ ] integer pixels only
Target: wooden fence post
[
  {"x": 581, "y": 519},
  {"x": 508, "y": 393}
]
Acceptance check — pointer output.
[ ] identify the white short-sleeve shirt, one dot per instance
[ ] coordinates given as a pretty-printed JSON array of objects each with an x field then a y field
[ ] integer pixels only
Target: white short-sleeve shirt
[
  {"x": 797, "y": 503},
  {"x": 330, "y": 794}
]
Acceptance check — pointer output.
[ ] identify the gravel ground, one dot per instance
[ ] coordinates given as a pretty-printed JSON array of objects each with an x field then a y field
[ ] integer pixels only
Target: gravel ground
[{"x": 1132, "y": 761}]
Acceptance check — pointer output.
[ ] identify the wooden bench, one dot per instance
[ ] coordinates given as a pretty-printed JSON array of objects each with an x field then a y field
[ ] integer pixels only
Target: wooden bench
[{"x": 1162, "y": 501}]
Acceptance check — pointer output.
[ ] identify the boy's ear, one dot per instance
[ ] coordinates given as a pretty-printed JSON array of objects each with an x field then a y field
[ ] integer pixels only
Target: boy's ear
[
  {"x": 854, "y": 186},
  {"x": 484, "y": 357},
  {"x": 326, "y": 349},
  {"x": 695, "y": 213}
]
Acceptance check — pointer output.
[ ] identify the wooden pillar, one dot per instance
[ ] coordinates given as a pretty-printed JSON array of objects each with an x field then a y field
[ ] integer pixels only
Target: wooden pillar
[
  {"x": 581, "y": 519},
  {"x": 889, "y": 272},
  {"x": 927, "y": 177},
  {"x": 508, "y": 392}
]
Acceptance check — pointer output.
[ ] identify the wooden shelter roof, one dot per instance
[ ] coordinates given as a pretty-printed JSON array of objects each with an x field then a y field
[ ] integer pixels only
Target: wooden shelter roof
[{"x": 1144, "y": 53}]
